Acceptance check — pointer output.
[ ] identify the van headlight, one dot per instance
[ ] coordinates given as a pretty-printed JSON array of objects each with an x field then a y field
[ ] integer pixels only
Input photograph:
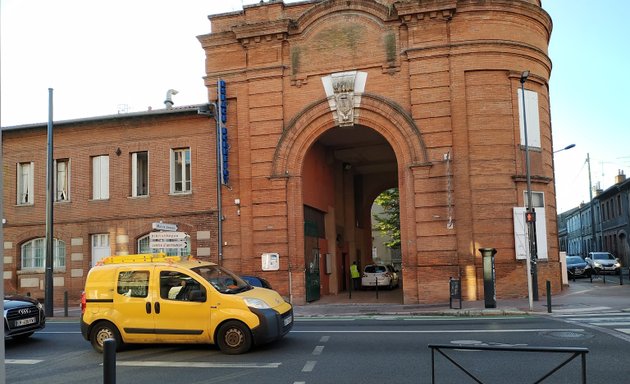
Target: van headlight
[
  {"x": 256, "y": 303},
  {"x": 617, "y": 265}
]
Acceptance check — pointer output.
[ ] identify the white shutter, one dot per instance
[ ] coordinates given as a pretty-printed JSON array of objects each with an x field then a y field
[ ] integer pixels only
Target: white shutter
[
  {"x": 104, "y": 177},
  {"x": 533, "y": 119},
  {"x": 521, "y": 241}
]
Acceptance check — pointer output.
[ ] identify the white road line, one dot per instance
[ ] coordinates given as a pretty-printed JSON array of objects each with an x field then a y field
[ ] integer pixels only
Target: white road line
[
  {"x": 22, "y": 361},
  {"x": 624, "y": 330},
  {"x": 324, "y": 339},
  {"x": 318, "y": 350},
  {"x": 309, "y": 366},
  {"x": 610, "y": 323},
  {"x": 587, "y": 309},
  {"x": 455, "y": 331},
  {"x": 194, "y": 364}
]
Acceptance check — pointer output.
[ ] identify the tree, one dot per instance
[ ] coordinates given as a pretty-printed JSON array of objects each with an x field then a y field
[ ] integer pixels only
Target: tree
[{"x": 388, "y": 222}]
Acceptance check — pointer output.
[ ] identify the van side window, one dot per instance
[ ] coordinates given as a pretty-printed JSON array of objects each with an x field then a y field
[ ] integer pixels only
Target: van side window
[
  {"x": 133, "y": 283},
  {"x": 179, "y": 286}
]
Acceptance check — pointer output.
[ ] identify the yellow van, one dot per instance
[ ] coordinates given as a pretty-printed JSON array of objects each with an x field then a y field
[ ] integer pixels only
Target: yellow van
[{"x": 153, "y": 298}]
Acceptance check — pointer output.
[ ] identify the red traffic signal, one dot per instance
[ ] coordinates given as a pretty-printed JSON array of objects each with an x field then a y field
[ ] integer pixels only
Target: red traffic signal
[{"x": 530, "y": 217}]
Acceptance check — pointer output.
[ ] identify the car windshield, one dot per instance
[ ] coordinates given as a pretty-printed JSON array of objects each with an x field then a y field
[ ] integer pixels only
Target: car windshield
[
  {"x": 602, "y": 256},
  {"x": 574, "y": 259},
  {"x": 375, "y": 269},
  {"x": 222, "y": 279}
]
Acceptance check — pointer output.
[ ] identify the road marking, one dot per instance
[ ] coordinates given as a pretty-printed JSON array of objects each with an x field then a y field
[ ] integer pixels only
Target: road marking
[
  {"x": 318, "y": 350},
  {"x": 624, "y": 330},
  {"x": 309, "y": 366},
  {"x": 587, "y": 309},
  {"x": 610, "y": 323},
  {"x": 195, "y": 364},
  {"x": 22, "y": 361},
  {"x": 324, "y": 339},
  {"x": 455, "y": 331}
]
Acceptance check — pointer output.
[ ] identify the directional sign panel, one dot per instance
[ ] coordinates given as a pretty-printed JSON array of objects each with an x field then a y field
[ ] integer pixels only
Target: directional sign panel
[
  {"x": 167, "y": 244},
  {"x": 167, "y": 236},
  {"x": 164, "y": 226}
]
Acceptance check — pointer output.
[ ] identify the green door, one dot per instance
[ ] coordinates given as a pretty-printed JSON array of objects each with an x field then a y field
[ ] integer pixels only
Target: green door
[{"x": 312, "y": 272}]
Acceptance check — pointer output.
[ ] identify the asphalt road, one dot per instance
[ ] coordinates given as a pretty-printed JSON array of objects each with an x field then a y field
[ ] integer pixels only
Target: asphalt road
[{"x": 371, "y": 349}]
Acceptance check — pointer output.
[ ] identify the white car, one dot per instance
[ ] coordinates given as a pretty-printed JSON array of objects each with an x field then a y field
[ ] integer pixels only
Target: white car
[{"x": 381, "y": 275}]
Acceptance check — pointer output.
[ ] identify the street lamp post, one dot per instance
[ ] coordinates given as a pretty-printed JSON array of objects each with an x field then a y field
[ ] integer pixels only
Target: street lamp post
[{"x": 530, "y": 213}]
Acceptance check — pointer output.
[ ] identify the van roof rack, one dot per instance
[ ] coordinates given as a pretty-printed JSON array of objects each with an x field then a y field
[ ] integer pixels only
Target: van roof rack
[{"x": 141, "y": 258}]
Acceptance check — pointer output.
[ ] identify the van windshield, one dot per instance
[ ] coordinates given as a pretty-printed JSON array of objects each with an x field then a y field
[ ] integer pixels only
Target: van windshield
[{"x": 222, "y": 279}]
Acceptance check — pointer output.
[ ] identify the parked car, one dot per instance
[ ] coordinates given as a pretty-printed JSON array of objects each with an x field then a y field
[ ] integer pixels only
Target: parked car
[
  {"x": 22, "y": 316},
  {"x": 381, "y": 275},
  {"x": 256, "y": 281},
  {"x": 578, "y": 267},
  {"x": 602, "y": 262}
]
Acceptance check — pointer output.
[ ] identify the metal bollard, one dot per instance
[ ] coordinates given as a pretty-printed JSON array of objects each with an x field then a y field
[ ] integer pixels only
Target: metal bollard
[
  {"x": 109, "y": 361},
  {"x": 65, "y": 303},
  {"x": 548, "y": 296},
  {"x": 620, "y": 276}
]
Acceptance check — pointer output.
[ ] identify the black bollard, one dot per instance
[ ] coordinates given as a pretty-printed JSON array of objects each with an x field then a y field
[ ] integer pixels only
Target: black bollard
[
  {"x": 109, "y": 361},
  {"x": 65, "y": 303},
  {"x": 376, "y": 278},
  {"x": 548, "y": 296}
]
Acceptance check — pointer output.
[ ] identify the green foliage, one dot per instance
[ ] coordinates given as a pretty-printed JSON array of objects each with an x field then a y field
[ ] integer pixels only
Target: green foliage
[{"x": 388, "y": 222}]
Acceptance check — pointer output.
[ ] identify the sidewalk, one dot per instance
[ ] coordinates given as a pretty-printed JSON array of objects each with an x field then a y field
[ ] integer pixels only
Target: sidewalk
[{"x": 579, "y": 296}]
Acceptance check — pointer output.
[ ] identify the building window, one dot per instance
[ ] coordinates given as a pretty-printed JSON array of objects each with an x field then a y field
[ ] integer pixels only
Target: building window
[
  {"x": 139, "y": 174},
  {"x": 532, "y": 119},
  {"x": 180, "y": 170},
  {"x": 34, "y": 254},
  {"x": 62, "y": 179},
  {"x": 100, "y": 177},
  {"x": 538, "y": 199},
  {"x": 100, "y": 247},
  {"x": 144, "y": 247},
  {"x": 25, "y": 183}
]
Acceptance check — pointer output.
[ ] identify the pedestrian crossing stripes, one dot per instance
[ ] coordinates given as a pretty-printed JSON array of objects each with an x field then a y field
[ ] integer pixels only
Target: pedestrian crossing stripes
[{"x": 610, "y": 319}]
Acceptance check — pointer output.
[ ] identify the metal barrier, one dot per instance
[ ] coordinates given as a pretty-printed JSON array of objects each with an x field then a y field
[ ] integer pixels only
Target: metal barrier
[{"x": 575, "y": 352}]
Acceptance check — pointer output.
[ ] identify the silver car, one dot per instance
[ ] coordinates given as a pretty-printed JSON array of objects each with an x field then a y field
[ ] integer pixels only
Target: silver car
[
  {"x": 379, "y": 275},
  {"x": 603, "y": 262}
]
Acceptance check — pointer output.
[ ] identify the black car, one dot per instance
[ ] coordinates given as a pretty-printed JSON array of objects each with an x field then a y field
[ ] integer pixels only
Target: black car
[
  {"x": 256, "y": 281},
  {"x": 578, "y": 267},
  {"x": 22, "y": 316}
]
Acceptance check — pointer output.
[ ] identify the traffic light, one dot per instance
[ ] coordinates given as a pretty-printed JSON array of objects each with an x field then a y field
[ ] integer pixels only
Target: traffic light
[{"x": 530, "y": 217}]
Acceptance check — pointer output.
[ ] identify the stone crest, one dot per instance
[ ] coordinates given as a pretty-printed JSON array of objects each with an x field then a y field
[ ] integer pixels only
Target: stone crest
[{"x": 343, "y": 87}]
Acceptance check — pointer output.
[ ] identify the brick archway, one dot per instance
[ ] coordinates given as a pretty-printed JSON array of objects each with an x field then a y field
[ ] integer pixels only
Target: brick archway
[{"x": 383, "y": 116}]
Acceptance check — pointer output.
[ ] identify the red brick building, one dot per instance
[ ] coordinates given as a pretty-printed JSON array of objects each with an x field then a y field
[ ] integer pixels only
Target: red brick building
[{"x": 329, "y": 104}]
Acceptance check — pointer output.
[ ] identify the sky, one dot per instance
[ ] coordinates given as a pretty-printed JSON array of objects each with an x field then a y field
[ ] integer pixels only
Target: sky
[{"x": 105, "y": 57}]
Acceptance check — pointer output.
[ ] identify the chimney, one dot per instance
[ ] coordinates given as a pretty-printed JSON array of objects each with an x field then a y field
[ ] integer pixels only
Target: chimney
[
  {"x": 620, "y": 178},
  {"x": 169, "y": 101}
]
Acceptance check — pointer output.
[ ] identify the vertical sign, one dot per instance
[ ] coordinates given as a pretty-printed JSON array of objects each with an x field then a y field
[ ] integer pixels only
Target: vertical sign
[{"x": 222, "y": 131}]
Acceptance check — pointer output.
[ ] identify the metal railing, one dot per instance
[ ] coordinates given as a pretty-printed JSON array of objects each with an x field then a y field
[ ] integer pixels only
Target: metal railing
[{"x": 574, "y": 352}]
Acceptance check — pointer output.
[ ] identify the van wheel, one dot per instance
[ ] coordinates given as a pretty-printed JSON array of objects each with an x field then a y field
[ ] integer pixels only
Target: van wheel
[
  {"x": 102, "y": 331},
  {"x": 234, "y": 338}
]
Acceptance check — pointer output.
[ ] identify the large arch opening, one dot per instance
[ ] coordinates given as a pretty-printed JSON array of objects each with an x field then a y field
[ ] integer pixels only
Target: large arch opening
[{"x": 332, "y": 175}]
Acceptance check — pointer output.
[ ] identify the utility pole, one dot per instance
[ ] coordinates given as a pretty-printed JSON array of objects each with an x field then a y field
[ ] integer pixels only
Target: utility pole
[{"x": 593, "y": 243}]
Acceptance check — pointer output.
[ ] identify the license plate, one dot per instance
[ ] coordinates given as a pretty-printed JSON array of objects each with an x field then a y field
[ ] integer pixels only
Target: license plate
[
  {"x": 288, "y": 320},
  {"x": 23, "y": 322}
]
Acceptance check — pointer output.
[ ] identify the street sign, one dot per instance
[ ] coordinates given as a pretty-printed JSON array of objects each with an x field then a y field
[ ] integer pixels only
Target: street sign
[
  {"x": 164, "y": 226},
  {"x": 167, "y": 244},
  {"x": 156, "y": 236}
]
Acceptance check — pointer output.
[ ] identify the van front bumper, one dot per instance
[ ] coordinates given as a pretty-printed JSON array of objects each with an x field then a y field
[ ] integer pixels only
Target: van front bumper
[{"x": 273, "y": 325}]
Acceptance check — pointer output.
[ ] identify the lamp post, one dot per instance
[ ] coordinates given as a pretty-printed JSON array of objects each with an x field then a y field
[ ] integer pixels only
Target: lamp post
[{"x": 530, "y": 213}]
